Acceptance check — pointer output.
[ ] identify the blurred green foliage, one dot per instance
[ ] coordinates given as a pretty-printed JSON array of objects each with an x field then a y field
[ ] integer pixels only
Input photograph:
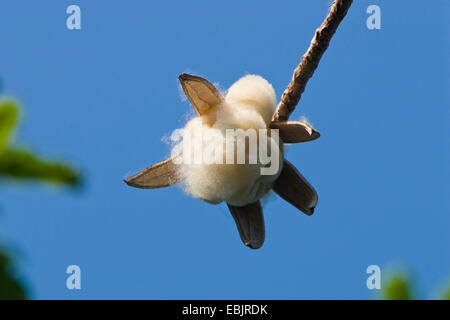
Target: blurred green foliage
[
  {"x": 446, "y": 293},
  {"x": 400, "y": 286},
  {"x": 10, "y": 286},
  {"x": 397, "y": 287},
  {"x": 20, "y": 164},
  {"x": 9, "y": 114}
]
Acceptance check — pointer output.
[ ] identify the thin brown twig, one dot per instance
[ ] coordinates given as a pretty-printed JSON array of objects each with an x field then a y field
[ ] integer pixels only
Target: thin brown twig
[{"x": 310, "y": 60}]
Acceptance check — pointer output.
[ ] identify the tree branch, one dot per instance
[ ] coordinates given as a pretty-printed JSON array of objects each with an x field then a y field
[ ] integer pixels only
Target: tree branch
[{"x": 310, "y": 60}]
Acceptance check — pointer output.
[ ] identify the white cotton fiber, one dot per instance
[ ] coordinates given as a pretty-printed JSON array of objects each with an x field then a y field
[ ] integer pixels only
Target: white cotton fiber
[
  {"x": 249, "y": 104},
  {"x": 256, "y": 92}
]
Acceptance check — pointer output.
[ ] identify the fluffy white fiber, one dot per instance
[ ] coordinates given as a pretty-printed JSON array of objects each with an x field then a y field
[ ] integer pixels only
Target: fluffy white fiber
[{"x": 249, "y": 103}]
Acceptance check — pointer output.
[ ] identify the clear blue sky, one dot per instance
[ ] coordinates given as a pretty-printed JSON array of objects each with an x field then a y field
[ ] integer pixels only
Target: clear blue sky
[{"x": 104, "y": 96}]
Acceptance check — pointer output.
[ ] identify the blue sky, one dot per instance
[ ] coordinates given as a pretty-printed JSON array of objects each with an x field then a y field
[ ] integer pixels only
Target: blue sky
[{"x": 104, "y": 96}]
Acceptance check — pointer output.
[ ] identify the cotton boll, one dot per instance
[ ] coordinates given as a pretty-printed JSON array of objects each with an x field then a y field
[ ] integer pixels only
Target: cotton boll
[
  {"x": 248, "y": 105},
  {"x": 215, "y": 183},
  {"x": 236, "y": 115},
  {"x": 255, "y": 92}
]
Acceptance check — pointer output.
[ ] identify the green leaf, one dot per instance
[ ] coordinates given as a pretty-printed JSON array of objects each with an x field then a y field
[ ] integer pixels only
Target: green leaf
[
  {"x": 397, "y": 288},
  {"x": 9, "y": 114},
  {"x": 21, "y": 164},
  {"x": 10, "y": 286}
]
